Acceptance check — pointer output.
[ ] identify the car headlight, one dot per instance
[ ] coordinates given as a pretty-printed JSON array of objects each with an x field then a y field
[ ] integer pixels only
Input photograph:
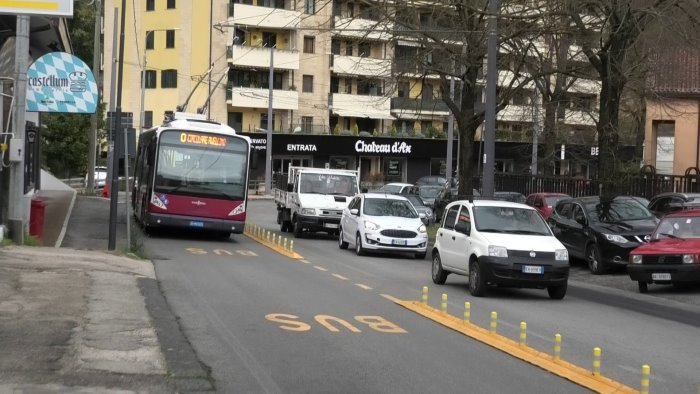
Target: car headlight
[
  {"x": 689, "y": 259},
  {"x": 371, "y": 226},
  {"x": 308, "y": 211},
  {"x": 498, "y": 251},
  {"x": 636, "y": 259},
  {"x": 561, "y": 255},
  {"x": 616, "y": 238},
  {"x": 422, "y": 229}
]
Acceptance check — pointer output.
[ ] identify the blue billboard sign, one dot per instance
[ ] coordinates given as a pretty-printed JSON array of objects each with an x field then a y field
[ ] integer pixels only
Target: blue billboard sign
[{"x": 62, "y": 83}]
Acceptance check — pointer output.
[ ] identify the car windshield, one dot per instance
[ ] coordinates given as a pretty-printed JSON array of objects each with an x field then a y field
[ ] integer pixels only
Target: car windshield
[
  {"x": 415, "y": 200},
  {"x": 509, "y": 220},
  {"x": 389, "y": 207},
  {"x": 553, "y": 200},
  {"x": 391, "y": 188},
  {"x": 617, "y": 211},
  {"x": 678, "y": 227},
  {"x": 429, "y": 192},
  {"x": 340, "y": 185}
]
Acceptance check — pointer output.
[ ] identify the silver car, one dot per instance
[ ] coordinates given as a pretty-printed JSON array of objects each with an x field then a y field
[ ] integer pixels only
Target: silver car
[{"x": 420, "y": 207}]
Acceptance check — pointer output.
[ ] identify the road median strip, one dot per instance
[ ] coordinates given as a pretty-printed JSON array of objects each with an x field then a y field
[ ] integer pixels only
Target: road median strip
[
  {"x": 272, "y": 240},
  {"x": 581, "y": 376}
]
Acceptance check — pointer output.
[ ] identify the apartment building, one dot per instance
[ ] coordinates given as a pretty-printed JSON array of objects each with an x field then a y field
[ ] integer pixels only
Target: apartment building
[{"x": 338, "y": 68}]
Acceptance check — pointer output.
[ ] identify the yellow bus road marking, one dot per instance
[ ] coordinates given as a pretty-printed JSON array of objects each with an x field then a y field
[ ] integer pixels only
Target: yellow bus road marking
[
  {"x": 364, "y": 287},
  {"x": 320, "y": 268},
  {"x": 391, "y": 298},
  {"x": 341, "y": 277},
  {"x": 566, "y": 370},
  {"x": 305, "y": 261},
  {"x": 290, "y": 322}
]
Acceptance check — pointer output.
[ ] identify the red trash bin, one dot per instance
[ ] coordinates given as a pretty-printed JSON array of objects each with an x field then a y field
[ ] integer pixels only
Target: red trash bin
[{"x": 36, "y": 218}]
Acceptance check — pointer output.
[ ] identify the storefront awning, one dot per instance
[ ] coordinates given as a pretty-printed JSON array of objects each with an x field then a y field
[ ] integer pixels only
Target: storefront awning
[{"x": 348, "y": 113}]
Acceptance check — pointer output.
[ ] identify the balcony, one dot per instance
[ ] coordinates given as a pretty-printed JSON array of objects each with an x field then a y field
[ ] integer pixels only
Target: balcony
[
  {"x": 365, "y": 66},
  {"x": 407, "y": 108},
  {"x": 358, "y": 106},
  {"x": 275, "y": 18},
  {"x": 362, "y": 28},
  {"x": 259, "y": 98},
  {"x": 580, "y": 118},
  {"x": 516, "y": 113},
  {"x": 259, "y": 57}
]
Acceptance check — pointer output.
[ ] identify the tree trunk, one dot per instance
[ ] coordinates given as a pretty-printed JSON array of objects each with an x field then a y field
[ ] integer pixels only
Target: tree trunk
[
  {"x": 608, "y": 138},
  {"x": 550, "y": 135}
]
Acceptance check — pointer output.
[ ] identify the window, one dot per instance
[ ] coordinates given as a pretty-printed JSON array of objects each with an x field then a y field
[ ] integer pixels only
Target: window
[
  {"x": 464, "y": 217},
  {"x": 520, "y": 98},
  {"x": 450, "y": 218},
  {"x": 308, "y": 84},
  {"x": 335, "y": 85},
  {"x": 348, "y": 48},
  {"x": 239, "y": 38},
  {"x": 269, "y": 40},
  {"x": 335, "y": 47},
  {"x": 150, "y": 81},
  {"x": 404, "y": 89},
  {"x": 665, "y": 146},
  {"x": 263, "y": 121},
  {"x": 309, "y": 42},
  {"x": 310, "y": 6},
  {"x": 168, "y": 79},
  {"x": 148, "y": 119},
  {"x": 365, "y": 49},
  {"x": 307, "y": 123},
  {"x": 170, "y": 39},
  {"x": 150, "y": 5},
  {"x": 150, "y": 39},
  {"x": 171, "y": 4}
]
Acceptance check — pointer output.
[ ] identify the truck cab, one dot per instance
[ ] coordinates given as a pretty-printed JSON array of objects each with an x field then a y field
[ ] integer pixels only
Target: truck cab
[{"x": 313, "y": 199}]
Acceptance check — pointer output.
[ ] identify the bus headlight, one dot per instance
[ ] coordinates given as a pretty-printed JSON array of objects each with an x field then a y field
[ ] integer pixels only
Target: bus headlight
[{"x": 238, "y": 210}]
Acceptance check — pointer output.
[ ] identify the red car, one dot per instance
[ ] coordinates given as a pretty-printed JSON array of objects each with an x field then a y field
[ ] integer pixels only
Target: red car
[
  {"x": 672, "y": 255},
  {"x": 544, "y": 203}
]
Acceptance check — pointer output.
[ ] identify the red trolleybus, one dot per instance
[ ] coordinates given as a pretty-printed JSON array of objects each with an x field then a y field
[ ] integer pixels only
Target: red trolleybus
[{"x": 191, "y": 173}]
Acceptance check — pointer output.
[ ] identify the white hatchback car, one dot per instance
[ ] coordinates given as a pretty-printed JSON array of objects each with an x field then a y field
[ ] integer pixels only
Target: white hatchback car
[
  {"x": 383, "y": 222},
  {"x": 499, "y": 243}
]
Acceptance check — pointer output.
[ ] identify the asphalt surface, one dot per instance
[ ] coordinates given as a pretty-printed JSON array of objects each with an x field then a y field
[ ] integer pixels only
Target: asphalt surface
[{"x": 632, "y": 329}]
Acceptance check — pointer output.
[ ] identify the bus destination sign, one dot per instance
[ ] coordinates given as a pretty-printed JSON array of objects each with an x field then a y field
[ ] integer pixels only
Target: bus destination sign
[{"x": 199, "y": 139}]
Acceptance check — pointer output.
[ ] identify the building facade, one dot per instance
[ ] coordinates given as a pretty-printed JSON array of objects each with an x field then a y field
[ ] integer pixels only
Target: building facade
[{"x": 336, "y": 68}]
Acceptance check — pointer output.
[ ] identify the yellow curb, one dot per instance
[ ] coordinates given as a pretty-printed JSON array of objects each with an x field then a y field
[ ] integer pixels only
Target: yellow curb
[
  {"x": 274, "y": 246},
  {"x": 566, "y": 370}
]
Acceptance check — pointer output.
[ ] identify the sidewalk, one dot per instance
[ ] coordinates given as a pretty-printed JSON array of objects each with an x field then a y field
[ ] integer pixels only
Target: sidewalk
[{"x": 80, "y": 319}]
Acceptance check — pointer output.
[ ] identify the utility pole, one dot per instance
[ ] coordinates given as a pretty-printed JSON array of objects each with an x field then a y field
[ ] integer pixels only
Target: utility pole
[
  {"x": 16, "y": 196},
  {"x": 92, "y": 136},
  {"x": 268, "y": 152},
  {"x": 490, "y": 123},
  {"x": 114, "y": 195}
]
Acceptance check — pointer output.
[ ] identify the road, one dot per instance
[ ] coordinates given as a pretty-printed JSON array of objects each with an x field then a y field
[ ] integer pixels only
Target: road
[{"x": 267, "y": 323}]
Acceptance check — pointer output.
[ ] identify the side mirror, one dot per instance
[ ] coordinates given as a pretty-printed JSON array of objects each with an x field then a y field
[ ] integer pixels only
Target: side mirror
[
  {"x": 354, "y": 211},
  {"x": 463, "y": 228},
  {"x": 581, "y": 220},
  {"x": 290, "y": 187}
]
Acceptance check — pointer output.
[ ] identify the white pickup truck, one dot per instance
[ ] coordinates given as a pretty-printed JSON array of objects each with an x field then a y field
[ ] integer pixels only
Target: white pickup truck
[{"x": 312, "y": 199}]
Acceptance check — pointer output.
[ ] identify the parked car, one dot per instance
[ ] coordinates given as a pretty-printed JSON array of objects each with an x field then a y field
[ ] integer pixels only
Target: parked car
[
  {"x": 420, "y": 207},
  {"x": 394, "y": 188},
  {"x": 499, "y": 243},
  {"x": 672, "y": 255},
  {"x": 446, "y": 196},
  {"x": 602, "y": 233},
  {"x": 544, "y": 203},
  {"x": 665, "y": 203},
  {"x": 428, "y": 193},
  {"x": 383, "y": 223},
  {"x": 100, "y": 177},
  {"x": 509, "y": 196},
  {"x": 434, "y": 180}
]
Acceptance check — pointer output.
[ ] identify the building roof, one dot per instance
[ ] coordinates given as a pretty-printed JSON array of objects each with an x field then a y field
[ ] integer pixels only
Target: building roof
[{"x": 675, "y": 72}]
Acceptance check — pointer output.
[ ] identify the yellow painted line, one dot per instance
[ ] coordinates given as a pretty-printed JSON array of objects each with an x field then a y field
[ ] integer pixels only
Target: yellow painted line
[
  {"x": 320, "y": 268},
  {"x": 276, "y": 247},
  {"x": 566, "y": 370},
  {"x": 37, "y": 5},
  {"x": 341, "y": 277},
  {"x": 391, "y": 298},
  {"x": 361, "y": 286},
  {"x": 305, "y": 261}
]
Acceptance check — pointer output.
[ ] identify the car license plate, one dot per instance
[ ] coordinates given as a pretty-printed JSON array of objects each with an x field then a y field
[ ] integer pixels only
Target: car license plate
[
  {"x": 330, "y": 225},
  {"x": 398, "y": 242},
  {"x": 661, "y": 276},
  {"x": 197, "y": 224},
  {"x": 532, "y": 269}
]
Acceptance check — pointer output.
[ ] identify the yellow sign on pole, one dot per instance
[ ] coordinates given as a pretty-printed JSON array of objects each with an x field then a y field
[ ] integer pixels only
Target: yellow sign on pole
[{"x": 37, "y": 7}]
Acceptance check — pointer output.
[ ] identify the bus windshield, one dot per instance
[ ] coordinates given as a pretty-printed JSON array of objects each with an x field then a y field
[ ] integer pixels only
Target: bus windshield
[{"x": 199, "y": 164}]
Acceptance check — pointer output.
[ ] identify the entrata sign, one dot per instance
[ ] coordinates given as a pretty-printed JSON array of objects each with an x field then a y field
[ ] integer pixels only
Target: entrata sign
[
  {"x": 37, "y": 7},
  {"x": 60, "y": 82}
]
